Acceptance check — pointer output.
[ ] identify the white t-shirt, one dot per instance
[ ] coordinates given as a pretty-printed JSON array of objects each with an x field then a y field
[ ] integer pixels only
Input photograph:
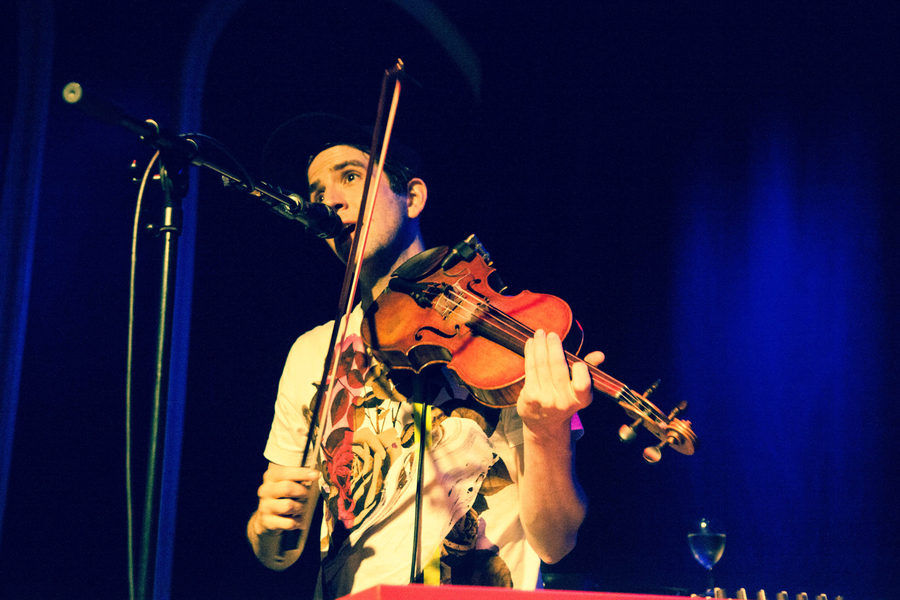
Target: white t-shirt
[{"x": 367, "y": 458}]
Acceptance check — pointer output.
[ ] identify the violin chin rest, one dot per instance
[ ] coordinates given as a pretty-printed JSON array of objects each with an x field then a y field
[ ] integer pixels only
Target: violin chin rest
[{"x": 422, "y": 264}]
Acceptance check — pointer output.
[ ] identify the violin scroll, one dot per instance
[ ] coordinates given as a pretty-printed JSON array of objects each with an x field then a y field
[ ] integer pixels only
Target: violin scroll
[
  {"x": 671, "y": 431},
  {"x": 678, "y": 435}
]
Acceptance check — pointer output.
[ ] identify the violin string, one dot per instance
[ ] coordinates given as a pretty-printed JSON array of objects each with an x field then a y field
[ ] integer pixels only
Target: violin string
[
  {"x": 513, "y": 334},
  {"x": 516, "y": 333},
  {"x": 502, "y": 323}
]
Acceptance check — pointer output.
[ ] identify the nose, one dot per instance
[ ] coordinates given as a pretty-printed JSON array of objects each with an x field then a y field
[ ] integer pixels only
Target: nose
[{"x": 335, "y": 198}]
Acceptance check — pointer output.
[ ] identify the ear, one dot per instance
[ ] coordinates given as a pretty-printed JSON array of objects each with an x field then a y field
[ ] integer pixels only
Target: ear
[{"x": 416, "y": 196}]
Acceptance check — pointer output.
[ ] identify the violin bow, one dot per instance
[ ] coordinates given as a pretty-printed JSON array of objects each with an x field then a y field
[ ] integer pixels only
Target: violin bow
[{"x": 291, "y": 540}]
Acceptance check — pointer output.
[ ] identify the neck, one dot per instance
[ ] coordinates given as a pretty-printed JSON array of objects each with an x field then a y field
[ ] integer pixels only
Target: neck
[{"x": 377, "y": 270}]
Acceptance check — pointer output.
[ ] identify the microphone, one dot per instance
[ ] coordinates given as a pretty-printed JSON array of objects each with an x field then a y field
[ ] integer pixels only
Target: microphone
[{"x": 319, "y": 219}]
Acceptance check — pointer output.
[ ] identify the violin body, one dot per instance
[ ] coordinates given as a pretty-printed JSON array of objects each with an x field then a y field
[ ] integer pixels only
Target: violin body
[
  {"x": 446, "y": 307},
  {"x": 449, "y": 328}
]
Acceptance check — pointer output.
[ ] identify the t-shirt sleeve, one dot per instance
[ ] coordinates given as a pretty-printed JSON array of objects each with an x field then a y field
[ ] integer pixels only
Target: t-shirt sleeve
[
  {"x": 290, "y": 426},
  {"x": 577, "y": 427}
]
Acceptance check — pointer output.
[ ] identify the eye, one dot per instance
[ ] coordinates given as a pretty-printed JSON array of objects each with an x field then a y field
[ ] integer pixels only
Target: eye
[{"x": 350, "y": 176}]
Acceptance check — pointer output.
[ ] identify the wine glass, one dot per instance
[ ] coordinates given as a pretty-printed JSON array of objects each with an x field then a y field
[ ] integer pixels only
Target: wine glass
[{"x": 707, "y": 546}]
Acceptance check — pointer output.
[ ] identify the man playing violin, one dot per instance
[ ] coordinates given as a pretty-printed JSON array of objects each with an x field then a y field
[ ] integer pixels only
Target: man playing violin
[{"x": 499, "y": 491}]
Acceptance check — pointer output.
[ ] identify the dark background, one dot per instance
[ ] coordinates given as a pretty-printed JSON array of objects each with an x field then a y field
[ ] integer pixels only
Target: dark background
[{"x": 712, "y": 186}]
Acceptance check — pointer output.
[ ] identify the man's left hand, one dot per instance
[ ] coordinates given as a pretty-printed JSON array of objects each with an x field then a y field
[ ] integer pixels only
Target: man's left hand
[{"x": 552, "y": 392}]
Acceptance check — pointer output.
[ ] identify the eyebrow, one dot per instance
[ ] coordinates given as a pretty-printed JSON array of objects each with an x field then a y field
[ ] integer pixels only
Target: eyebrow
[{"x": 315, "y": 186}]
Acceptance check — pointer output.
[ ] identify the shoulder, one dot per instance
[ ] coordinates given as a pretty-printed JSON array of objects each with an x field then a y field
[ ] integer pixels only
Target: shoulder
[
  {"x": 314, "y": 343},
  {"x": 314, "y": 339}
]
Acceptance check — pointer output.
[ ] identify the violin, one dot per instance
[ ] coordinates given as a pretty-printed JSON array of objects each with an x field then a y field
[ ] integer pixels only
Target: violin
[{"x": 446, "y": 306}]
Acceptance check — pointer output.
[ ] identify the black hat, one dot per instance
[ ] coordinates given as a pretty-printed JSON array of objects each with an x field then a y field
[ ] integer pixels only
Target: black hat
[{"x": 296, "y": 142}]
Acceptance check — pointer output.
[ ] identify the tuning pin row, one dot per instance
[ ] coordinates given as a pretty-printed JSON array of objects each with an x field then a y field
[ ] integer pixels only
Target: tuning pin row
[{"x": 741, "y": 594}]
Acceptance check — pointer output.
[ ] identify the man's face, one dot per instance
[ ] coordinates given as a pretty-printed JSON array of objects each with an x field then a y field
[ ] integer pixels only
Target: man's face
[{"x": 336, "y": 177}]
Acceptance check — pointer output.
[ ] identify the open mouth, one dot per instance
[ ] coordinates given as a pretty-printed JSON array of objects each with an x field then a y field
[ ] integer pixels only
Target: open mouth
[{"x": 344, "y": 237}]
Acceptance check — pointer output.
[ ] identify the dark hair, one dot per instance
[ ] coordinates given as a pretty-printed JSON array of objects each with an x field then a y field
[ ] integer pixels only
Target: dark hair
[
  {"x": 398, "y": 174},
  {"x": 298, "y": 141}
]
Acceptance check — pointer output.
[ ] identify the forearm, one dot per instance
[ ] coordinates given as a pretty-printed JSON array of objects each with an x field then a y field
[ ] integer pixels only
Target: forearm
[{"x": 553, "y": 505}]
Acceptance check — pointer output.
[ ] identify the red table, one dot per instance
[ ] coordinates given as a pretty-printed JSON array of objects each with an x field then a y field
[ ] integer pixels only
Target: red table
[{"x": 456, "y": 592}]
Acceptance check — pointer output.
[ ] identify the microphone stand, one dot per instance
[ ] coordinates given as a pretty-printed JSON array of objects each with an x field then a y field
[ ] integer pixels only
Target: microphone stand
[
  {"x": 175, "y": 182},
  {"x": 320, "y": 220},
  {"x": 417, "y": 560},
  {"x": 176, "y": 155}
]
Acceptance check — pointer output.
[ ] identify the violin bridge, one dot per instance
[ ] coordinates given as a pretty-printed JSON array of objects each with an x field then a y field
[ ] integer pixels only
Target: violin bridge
[{"x": 446, "y": 303}]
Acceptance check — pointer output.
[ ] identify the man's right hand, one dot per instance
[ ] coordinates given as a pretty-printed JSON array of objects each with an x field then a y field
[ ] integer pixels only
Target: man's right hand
[
  {"x": 287, "y": 499},
  {"x": 284, "y": 496}
]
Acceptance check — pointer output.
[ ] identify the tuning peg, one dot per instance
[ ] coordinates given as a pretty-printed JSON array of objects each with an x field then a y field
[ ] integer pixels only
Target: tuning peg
[
  {"x": 652, "y": 454},
  {"x": 627, "y": 433},
  {"x": 654, "y": 451},
  {"x": 682, "y": 406},
  {"x": 678, "y": 435}
]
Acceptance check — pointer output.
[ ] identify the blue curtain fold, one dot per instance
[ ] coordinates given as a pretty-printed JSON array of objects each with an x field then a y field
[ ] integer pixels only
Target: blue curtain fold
[{"x": 19, "y": 209}]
